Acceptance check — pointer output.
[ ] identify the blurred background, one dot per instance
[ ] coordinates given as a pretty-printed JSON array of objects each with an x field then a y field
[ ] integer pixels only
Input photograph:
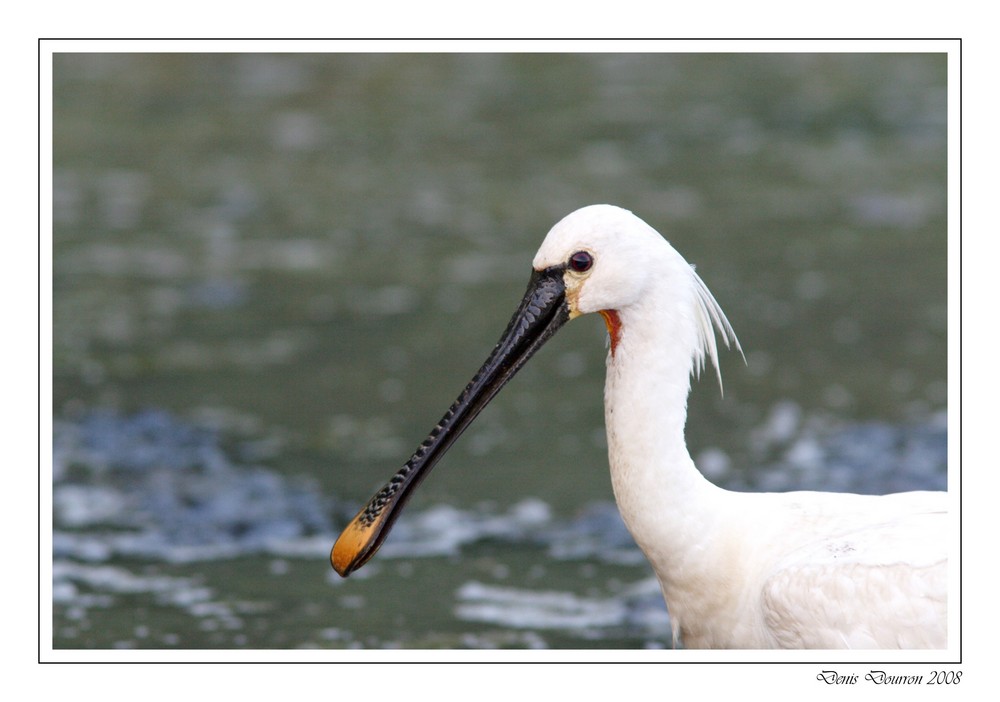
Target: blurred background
[{"x": 273, "y": 273}]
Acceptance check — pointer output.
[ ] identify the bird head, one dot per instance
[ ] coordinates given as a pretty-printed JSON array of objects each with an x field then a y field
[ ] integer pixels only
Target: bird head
[{"x": 598, "y": 259}]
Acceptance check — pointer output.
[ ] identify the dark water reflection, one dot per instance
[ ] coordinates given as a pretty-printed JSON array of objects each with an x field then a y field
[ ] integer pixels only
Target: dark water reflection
[{"x": 272, "y": 273}]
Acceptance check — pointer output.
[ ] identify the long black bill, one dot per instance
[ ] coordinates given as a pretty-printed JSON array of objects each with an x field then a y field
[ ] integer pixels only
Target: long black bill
[{"x": 540, "y": 314}]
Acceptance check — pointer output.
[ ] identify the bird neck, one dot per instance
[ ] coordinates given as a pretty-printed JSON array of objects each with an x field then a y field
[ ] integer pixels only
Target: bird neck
[{"x": 661, "y": 495}]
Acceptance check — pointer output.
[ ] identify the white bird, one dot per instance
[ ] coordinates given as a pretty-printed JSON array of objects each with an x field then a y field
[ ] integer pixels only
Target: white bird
[{"x": 737, "y": 570}]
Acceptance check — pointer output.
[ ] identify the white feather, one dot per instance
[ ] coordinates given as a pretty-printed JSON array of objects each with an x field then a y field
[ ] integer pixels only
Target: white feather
[{"x": 710, "y": 317}]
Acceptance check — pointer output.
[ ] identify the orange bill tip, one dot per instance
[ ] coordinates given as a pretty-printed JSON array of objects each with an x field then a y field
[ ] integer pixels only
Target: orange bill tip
[{"x": 353, "y": 546}]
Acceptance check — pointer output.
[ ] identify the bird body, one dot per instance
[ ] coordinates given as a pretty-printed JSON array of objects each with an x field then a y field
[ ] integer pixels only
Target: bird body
[
  {"x": 737, "y": 570},
  {"x": 798, "y": 570}
]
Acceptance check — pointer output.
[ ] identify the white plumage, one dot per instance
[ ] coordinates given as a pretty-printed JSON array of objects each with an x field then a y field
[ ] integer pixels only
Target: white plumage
[{"x": 738, "y": 570}]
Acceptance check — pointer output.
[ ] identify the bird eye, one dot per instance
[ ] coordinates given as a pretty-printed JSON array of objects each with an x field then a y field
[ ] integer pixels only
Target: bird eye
[{"x": 581, "y": 261}]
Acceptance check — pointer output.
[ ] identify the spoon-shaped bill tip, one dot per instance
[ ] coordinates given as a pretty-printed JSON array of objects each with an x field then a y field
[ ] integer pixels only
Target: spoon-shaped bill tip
[{"x": 357, "y": 539}]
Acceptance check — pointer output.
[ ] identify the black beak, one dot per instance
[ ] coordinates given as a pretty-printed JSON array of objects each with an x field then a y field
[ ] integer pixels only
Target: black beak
[{"x": 540, "y": 314}]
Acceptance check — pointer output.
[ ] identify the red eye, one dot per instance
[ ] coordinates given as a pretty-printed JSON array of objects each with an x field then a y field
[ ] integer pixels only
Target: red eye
[{"x": 581, "y": 261}]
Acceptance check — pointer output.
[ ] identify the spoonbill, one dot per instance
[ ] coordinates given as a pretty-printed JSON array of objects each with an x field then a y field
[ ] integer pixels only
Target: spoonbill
[{"x": 737, "y": 570}]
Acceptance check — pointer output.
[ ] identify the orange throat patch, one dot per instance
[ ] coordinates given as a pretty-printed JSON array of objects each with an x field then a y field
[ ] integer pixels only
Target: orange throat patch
[{"x": 614, "y": 324}]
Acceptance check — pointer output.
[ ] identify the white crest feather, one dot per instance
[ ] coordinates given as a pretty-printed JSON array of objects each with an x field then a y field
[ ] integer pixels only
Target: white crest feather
[{"x": 709, "y": 317}]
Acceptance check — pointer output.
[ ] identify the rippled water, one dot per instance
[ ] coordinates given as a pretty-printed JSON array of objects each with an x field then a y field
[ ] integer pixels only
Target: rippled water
[
  {"x": 273, "y": 273},
  {"x": 150, "y": 488}
]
